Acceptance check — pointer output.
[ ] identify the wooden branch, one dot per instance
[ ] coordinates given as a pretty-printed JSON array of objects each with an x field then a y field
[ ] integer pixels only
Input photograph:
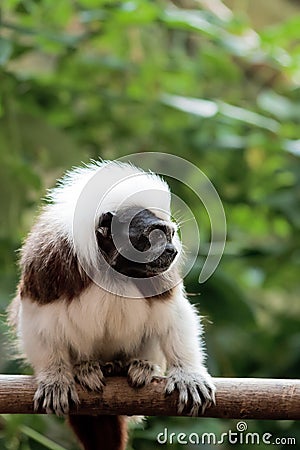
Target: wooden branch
[{"x": 237, "y": 398}]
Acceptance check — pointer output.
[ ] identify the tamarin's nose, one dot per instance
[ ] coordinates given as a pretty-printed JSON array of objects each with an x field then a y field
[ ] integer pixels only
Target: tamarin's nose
[{"x": 171, "y": 251}]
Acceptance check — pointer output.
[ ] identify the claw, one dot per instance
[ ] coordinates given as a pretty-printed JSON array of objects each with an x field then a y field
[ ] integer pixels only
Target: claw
[
  {"x": 89, "y": 375},
  {"x": 56, "y": 396},
  {"x": 141, "y": 373},
  {"x": 197, "y": 387}
]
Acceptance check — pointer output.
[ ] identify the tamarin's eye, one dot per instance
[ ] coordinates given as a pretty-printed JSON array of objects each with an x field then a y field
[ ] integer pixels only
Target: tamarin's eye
[{"x": 160, "y": 236}]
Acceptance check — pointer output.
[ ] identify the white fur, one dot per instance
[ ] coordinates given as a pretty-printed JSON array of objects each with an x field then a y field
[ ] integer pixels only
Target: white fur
[{"x": 99, "y": 326}]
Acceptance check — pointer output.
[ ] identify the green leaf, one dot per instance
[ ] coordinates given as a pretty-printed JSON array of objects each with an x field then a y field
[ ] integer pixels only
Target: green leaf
[
  {"x": 209, "y": 108},
  {"x": 189, "y": 19},
  {"x": 38, "y": 437},
  {"x": 292, "y": 146},
  {"x": 92, "y": 14},
  {"x": 6, "y": 48},
  {"x": 243, "y": 45},
  {"x": 248, "y": 117},
  {"x": 199, "y": 107},
  {"x": 134, "y": 12},
  {"x": 278, "y": 105},
  {"x": 91, "y": 3}
]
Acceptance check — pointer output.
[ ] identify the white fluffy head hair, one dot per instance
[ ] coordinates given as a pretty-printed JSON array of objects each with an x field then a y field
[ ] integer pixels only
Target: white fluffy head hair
[{"x": 85, "y": 193}]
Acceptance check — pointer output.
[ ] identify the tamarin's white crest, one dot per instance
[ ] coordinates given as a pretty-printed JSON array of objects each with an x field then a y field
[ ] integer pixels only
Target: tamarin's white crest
[{"x": 100, "y": 285}]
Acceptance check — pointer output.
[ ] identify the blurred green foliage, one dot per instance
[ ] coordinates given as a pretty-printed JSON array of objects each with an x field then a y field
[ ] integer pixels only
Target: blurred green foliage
[{"x": 93, "y": 78}]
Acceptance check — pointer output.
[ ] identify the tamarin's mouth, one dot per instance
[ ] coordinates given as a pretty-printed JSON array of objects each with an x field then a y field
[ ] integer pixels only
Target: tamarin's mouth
[{"x": 141, "y": 270}]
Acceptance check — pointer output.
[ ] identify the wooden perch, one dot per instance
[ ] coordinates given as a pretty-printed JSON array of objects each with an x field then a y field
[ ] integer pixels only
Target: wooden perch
[{"x": 237, "y": 398}]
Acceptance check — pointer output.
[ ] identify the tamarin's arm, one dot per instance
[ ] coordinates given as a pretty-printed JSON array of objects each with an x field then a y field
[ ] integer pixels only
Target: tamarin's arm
[
  {"x": 48, "y": 354},
  {"x": 183, "y": 350}
]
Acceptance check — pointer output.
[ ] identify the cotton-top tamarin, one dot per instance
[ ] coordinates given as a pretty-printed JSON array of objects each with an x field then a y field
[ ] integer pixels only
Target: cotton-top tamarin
[{"x": 100, "y": 284}]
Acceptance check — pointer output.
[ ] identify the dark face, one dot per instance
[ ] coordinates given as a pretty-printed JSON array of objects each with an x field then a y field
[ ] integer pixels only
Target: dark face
[{"x": 135, "y": 242}]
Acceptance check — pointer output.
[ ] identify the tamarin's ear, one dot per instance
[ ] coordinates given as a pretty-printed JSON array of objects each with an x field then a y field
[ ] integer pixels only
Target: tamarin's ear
[
  {"x": 104, "y": 224},
  {"x": 105, "y": 219},
  {"x": 104, "y": 236}
]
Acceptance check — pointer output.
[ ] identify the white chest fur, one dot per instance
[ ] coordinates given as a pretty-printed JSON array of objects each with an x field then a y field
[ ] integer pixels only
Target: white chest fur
[{"x": 97, "y": 324}]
